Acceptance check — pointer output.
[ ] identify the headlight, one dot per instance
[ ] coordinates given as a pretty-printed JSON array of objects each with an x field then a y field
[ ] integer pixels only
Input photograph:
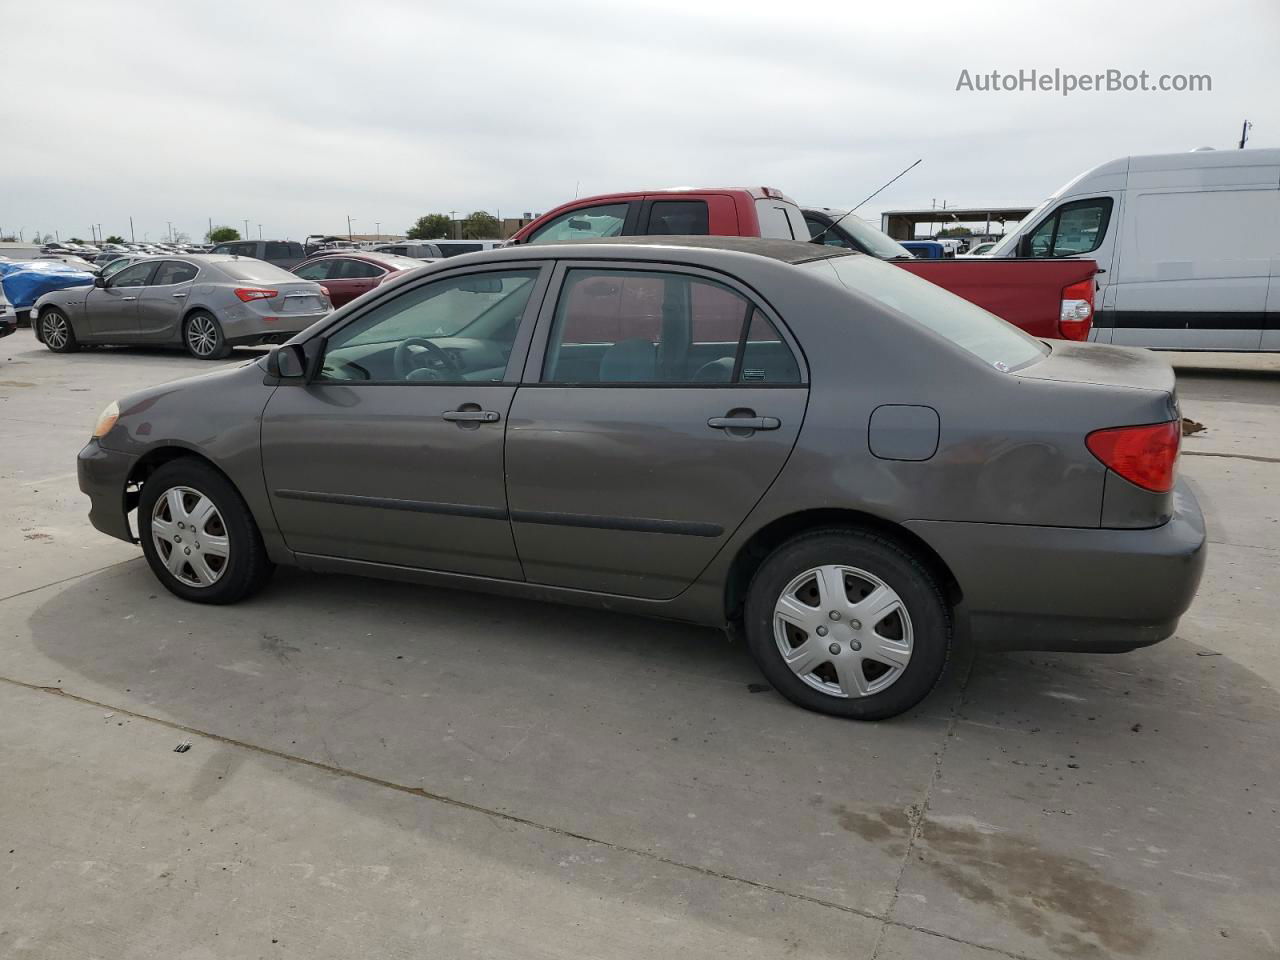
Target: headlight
[{"x": 106, "y": 420}]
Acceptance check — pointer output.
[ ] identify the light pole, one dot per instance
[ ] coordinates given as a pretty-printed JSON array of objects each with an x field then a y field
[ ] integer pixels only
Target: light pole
[
  {"x": 349, "y": 236},
  {"x": 170, "y": 223},
  {"x": 259, "y": 231},
  {"x": 377, "y": 226},
  {"x": 246, "y": 228},
  {"x": 132, "y": 238}
]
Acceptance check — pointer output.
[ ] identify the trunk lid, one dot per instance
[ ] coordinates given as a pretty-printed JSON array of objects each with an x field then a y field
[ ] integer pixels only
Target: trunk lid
[{"x": 1103, "y": 365}]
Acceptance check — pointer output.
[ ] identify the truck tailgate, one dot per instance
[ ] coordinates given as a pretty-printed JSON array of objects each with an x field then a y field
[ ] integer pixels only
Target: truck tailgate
[{"x": 1027, "y": 293}]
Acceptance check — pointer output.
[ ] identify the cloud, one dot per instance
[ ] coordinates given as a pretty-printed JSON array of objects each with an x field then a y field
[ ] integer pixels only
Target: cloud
[{"x": 298, "y": 115}]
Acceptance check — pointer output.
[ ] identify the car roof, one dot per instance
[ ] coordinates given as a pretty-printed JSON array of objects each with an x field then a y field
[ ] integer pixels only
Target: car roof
[
  {"x": 372, "y": 256},
  {"x": 786, "y": 251}
]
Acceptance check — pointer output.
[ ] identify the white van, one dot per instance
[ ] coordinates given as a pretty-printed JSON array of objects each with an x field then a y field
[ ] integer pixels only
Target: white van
[{"x": 1187, "y": 246}]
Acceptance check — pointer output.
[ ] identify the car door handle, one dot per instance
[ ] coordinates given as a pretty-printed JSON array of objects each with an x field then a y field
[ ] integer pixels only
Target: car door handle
[
  {"x": 179, "y": 296},
  {"x": 128, "y": 298},
  {"x": 744, "y": 423},
  {"x": 472, "y": 416}
]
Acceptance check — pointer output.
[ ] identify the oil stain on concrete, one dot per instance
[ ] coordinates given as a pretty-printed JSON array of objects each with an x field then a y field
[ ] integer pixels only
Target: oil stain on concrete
[{"x": 1065, "y": 902}]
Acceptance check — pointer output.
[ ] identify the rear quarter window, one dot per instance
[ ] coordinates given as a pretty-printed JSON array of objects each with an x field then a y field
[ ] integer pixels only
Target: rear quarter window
[{"x": 983, "y": 334}]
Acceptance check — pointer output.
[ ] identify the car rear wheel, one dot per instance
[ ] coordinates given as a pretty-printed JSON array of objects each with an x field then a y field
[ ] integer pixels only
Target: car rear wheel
[
  {"x": 204, "y": 338},
  {"x": 56, "y": 331},
  {"x": 848, "y": 623},
  {"x": 198, "y": 535}
]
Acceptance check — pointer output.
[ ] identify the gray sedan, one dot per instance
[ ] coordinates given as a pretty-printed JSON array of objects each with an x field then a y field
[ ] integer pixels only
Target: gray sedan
[
  {"x": 815, "y": 448},
  {"x": 205, "y": 303}
]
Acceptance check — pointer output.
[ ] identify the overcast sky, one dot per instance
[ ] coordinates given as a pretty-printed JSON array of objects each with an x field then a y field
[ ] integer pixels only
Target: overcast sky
[{"x": 295, "y": 115}]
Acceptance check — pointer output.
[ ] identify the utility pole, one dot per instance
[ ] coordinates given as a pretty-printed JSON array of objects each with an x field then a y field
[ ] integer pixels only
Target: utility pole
[
  {"x": 377, "y": 225},
  {"x": 210, "y": 233},
  {"x": 259, "y": 231},
  {"x": 132, "y": 238},
  {"x": 170, "y": 223},
  {"x": 1244, "y": 133},
  {"x": 246, "y": 228},
  {"x": 349, "y": 237}
]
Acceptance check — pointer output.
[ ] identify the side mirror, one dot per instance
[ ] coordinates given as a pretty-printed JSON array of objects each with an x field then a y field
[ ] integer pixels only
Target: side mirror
[
  {"x": 1024, "y": 245},
  {"x": 100, "y": 282},
  {"x": 289, "y": 362}
]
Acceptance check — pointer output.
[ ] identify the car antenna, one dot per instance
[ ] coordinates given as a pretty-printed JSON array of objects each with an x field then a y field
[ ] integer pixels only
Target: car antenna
[{"x": 818, "y": 238}]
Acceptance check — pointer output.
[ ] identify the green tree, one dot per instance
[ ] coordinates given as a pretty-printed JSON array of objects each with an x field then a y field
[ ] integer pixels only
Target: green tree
[
  {"x": 222, "y": 235},
  {"x": 481, "y": 226},
  {"x": 432, "y": 226},
  {"x": 955, "y": 232},
  {"x": 114, "y": 239}
]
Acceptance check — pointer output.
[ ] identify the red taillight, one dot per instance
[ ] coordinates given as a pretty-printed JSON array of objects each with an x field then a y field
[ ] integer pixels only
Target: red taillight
[
  {"x": 247, "y": 294},
  {"x": 1145, "y": 455},
  {"x": 1076, "y": 314},
  {"x": 324, "y": 289}
]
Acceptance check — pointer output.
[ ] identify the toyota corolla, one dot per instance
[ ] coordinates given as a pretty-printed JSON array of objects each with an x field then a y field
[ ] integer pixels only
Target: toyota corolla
[{"x": 806, "y": 444}]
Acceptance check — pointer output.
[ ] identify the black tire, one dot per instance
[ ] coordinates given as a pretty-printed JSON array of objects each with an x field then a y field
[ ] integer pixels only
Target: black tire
[
  {"x": 930, "y": 624},
  {"x": 197, "y": 329},
  {"x": 55, "y": 328},
  {"x": 246, "y": 568}
]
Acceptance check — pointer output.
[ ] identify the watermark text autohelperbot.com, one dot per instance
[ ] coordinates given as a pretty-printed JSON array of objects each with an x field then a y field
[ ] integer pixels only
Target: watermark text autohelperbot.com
[{"x": 1064, "y": 83}]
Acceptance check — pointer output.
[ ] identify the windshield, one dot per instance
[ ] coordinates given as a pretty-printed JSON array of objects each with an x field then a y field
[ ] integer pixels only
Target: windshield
[
  {"x": 1005, "y": 246},
  {"x": 872, "y": 240},
  {"x": 969, "y": 327}
]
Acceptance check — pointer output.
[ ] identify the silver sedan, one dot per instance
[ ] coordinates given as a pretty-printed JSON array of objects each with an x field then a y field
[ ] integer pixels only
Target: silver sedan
[{"x": 205, "y": 303}]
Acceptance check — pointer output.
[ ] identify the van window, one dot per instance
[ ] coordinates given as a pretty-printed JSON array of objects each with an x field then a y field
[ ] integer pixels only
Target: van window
[{"x": 1073, "y": 229}]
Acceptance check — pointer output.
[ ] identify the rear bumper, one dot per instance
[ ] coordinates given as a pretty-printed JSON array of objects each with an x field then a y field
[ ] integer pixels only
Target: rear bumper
[
  {"x": 102, "y": 474},
  {"x": 8, "y": 325},
  {"x": 244, "y": 327},
  {"x": 1067, "y": 588}
]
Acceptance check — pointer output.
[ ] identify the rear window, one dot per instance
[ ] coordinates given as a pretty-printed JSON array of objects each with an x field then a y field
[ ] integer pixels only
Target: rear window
[
  {"x": 255, "y": 271},
  {"x": 678, "y": 218},
  {"x": 969, "y": 327}
]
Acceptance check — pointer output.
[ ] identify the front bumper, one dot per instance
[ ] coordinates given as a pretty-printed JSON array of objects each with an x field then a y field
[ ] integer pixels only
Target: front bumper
[
  {"x": 1075, "y": 589},
  {"x": 103, "y": 476}
]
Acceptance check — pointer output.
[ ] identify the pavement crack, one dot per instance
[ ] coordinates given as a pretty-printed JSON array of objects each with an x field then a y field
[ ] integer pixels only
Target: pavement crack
[
  {"x": 76, "y": 576},
  {"x": 917, "y": 820},
  {"x": 503, "y": 816},
  {"x": 1230, "y": 456}
]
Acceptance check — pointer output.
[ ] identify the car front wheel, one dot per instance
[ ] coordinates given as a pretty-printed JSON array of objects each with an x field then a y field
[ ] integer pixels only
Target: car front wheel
[
  {"x": 56, "y": 331},
  {"x": 848, "y": 623},
  {"x": 198, "y": 535}
]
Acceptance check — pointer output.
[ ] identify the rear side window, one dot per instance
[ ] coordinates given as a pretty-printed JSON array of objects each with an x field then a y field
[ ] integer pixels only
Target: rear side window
[
  {"x": 357, "y": 270},
  {"x": 174, "y": 271},
  {"x": 320, "y": 270},
  {"x": 606, "y": 220},
  {"x": 277, "y": 251},
  {"x": 678, "y": 218},
  {"x": 628, "y": 326},
  {"x": 969, "y": 327}
]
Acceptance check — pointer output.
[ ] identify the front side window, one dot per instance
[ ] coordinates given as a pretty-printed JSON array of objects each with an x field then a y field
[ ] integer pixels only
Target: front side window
[
  {"x": 320, "y": 270},
  {"x": 625, "y": 326},
  {"x": 678, "y": 218},
  {"x": 115, "y": 266},
  {"x": 134, "y": 276},
  {"x": 454, "y": 330},
  {"x": 174, "y": 271},
  {"x": 583, "y": 224},
  {"x": 1073, "y": 229}
]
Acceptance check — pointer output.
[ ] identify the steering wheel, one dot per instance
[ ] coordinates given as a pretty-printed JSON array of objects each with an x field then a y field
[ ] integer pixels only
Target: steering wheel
[{"x": 429, "y": 365}]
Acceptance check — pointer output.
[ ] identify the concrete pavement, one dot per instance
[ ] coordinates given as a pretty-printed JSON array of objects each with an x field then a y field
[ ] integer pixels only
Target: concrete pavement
[{"x": 385, "y": 770}]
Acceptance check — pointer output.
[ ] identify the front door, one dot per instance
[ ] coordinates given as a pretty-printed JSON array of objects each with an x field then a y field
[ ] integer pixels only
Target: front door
[
  {"x": 393, "y": 453},
  {"x": 664, "y": 404},
  {"x": 162, "y": 302},
  {"x": 112, "y": 311}
]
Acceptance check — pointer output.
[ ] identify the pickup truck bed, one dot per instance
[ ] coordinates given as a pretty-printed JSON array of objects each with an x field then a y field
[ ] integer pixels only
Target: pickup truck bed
[{"x": 1027, "y": 293}]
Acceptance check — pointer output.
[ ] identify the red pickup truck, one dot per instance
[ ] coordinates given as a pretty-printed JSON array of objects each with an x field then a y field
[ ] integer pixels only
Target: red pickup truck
[{"x": 1047, "y": 298}]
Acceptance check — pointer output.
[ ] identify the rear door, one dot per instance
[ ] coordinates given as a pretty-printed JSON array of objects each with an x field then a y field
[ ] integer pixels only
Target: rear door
[
  {"x": 658, "y": 405},
  {"x": 162, "y": 302},
  {"x": 113, "y": 311}
]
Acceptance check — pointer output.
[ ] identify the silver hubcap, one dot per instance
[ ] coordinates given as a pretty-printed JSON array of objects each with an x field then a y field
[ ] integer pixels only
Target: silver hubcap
[
  {"x": 843, "y": 631},
  {"x": 202, "y": 335},
  {"x": 55, "y": 331},
  {"x": 190, "y": 537}
]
